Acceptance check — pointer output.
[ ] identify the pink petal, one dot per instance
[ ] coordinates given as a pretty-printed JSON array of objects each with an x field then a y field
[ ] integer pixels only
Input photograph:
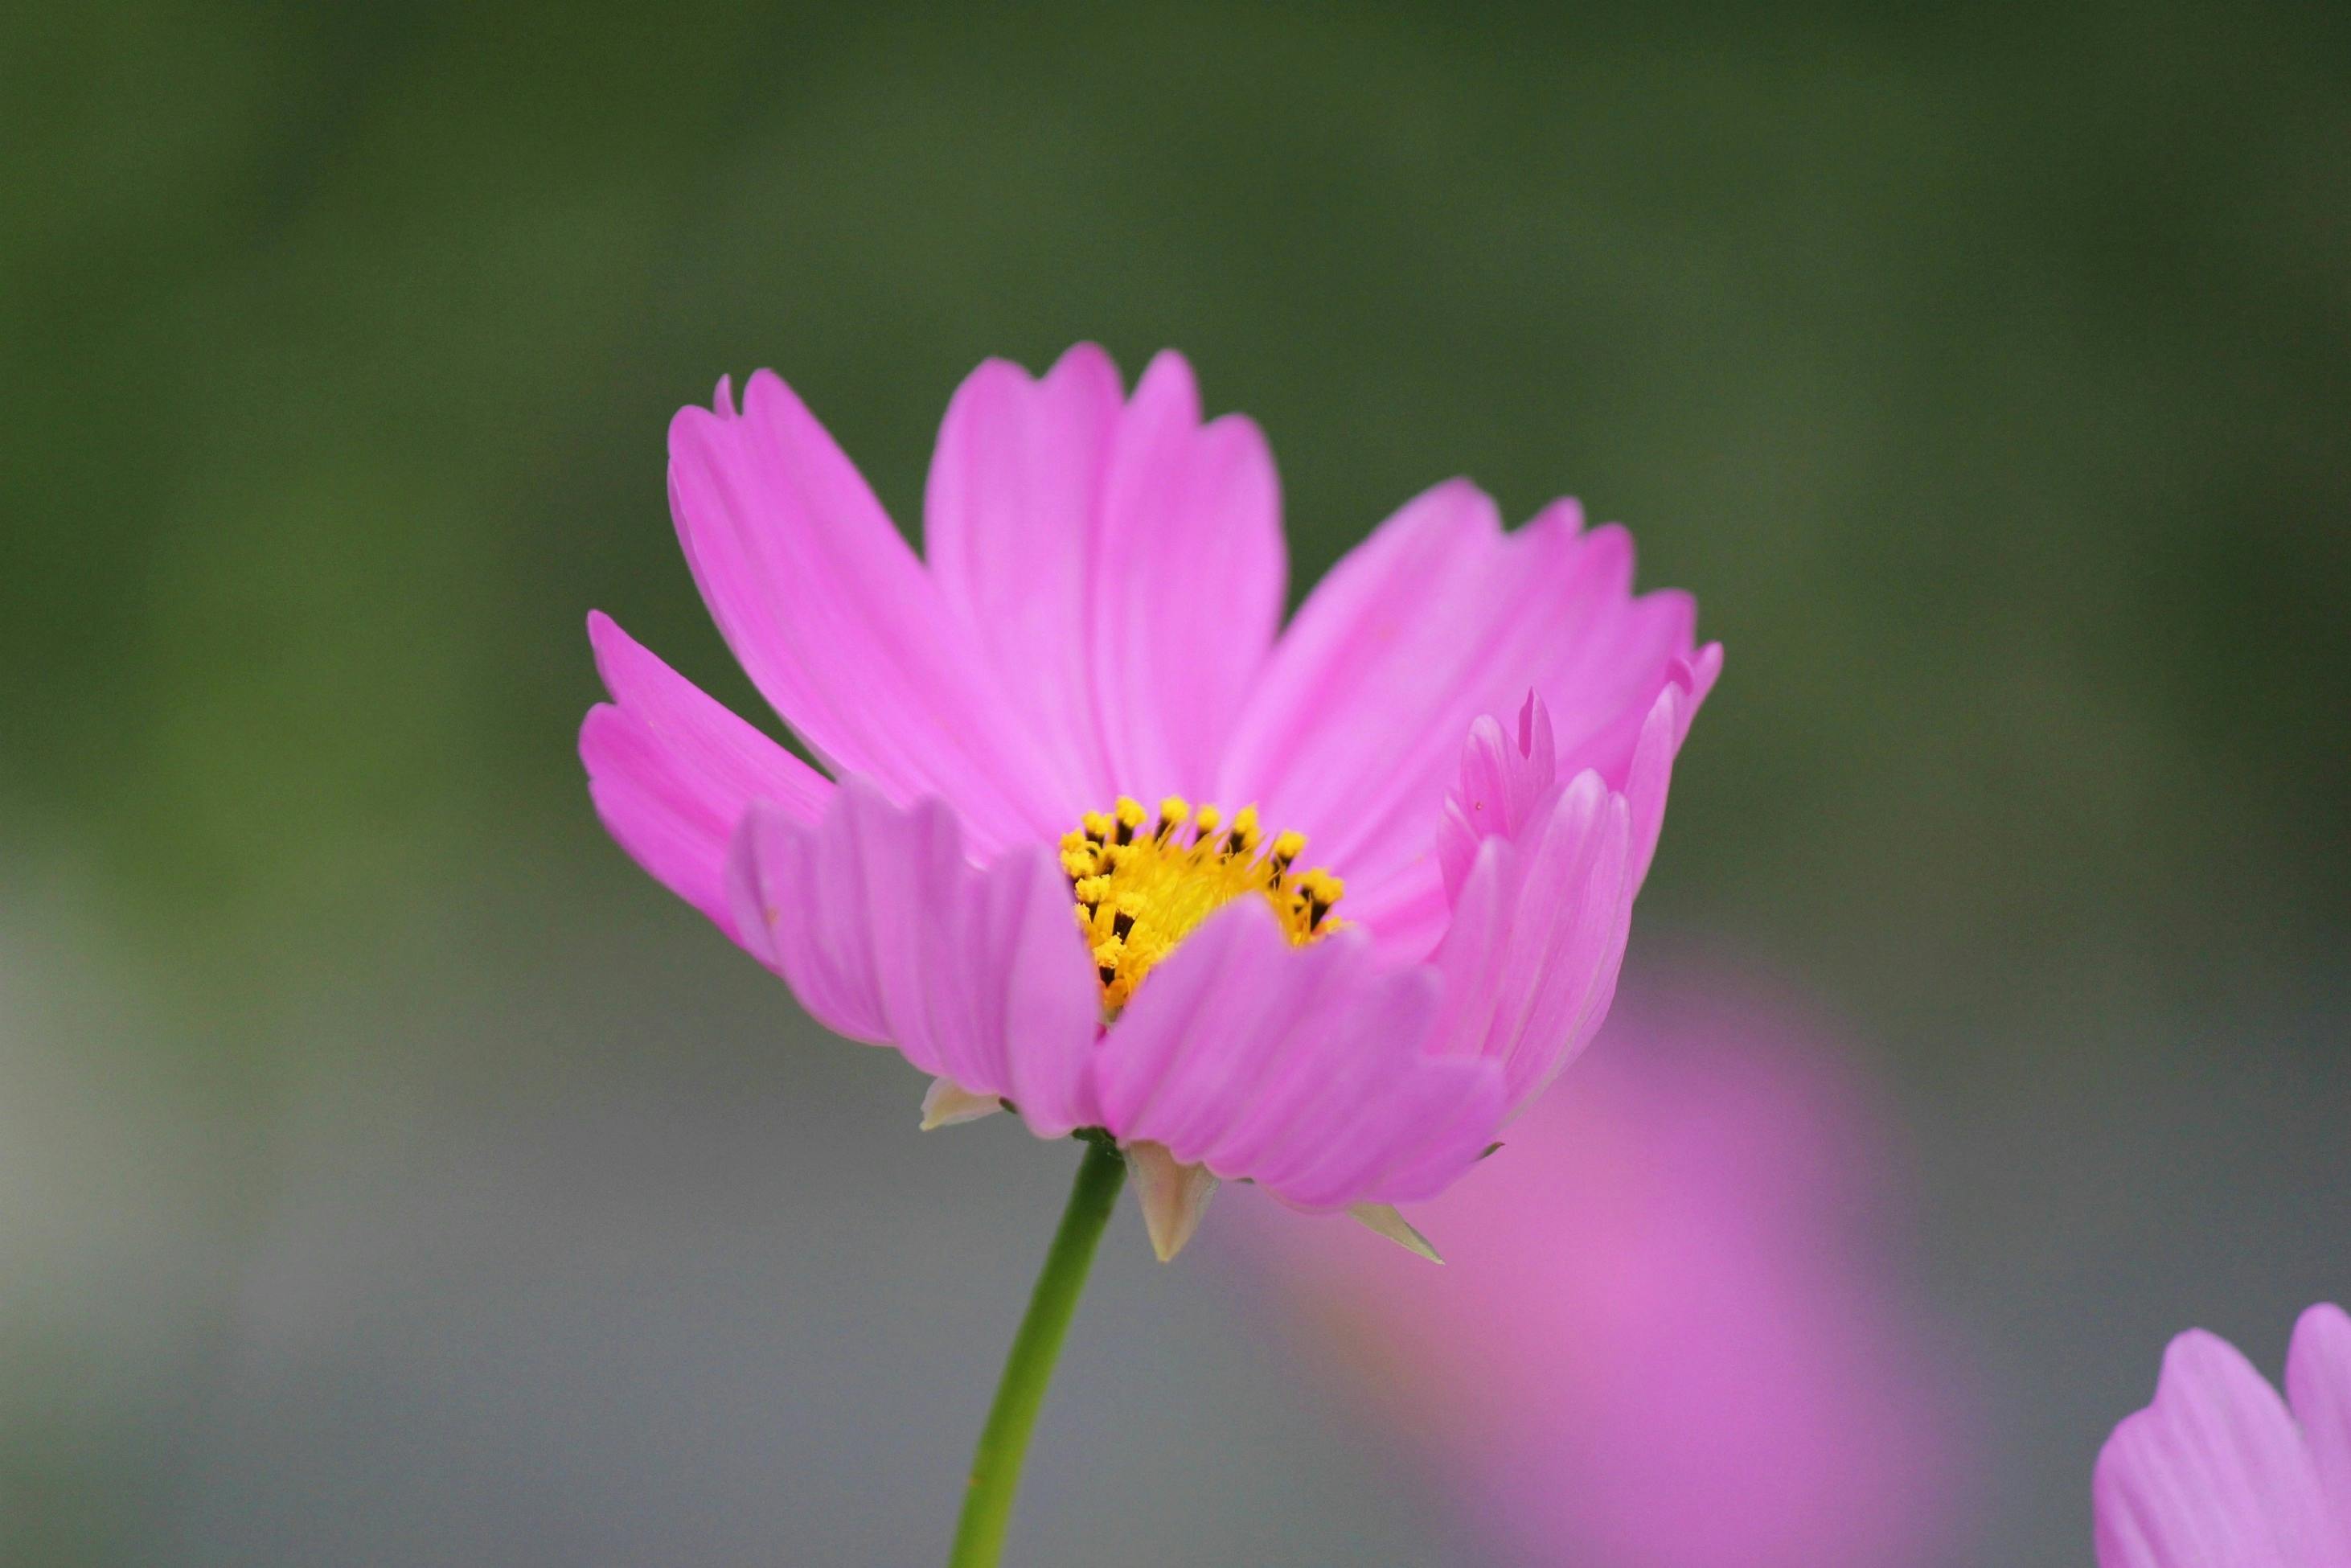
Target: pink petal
[
  {"x": 1539, "y": 934},
  {"x": 1436, "y": 618},
  {"x": 1649, "y": 772},
  {"x": 1010, "y": 516},
  {"x": 1301, "y": 1069},
  {"x": 1121, "y": 563},
  {"x": 887, "y": 934},
  {"x": 838, "y": 623},
  {"x": 2318, "y": 1386},
  {"x": 1409, "y": 908},
  {"x": 1406, "y": 911},
  {"x": 1504, "y": 778},
  {"x": 1507, "y": 775},
  {"x": 1188, "y": 580},
  {"x": 672, "y": 772},
  {"x": 2212, "y": 1475}
]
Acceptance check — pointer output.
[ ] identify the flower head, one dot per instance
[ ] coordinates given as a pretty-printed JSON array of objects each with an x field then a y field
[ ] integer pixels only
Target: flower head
[
  {"x": 2219, "y": 1472},
  {"x": 1669, "y": 1335},
  {"x": 1400, "y": 918}
]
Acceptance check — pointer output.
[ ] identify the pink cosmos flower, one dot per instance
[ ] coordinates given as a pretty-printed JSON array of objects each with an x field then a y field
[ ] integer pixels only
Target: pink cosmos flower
[
  {"x": 2219, "y": 1472},
  {"x": 1097, "y": 624},
  {"x": 1668, "y": 1335}
]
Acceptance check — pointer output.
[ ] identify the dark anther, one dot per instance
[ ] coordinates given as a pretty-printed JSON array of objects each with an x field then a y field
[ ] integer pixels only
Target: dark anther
[
  {"x": 1109, "y": 972},
  {"x": 1120, "y": 923}
]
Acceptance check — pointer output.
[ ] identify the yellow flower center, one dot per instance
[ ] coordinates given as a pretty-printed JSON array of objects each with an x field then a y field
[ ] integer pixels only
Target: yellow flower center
[{"x": 1140, "y": 893}]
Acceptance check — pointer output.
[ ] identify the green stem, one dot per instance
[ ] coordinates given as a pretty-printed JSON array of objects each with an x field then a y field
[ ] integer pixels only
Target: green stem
[{"x": 1004, "y": 1441}]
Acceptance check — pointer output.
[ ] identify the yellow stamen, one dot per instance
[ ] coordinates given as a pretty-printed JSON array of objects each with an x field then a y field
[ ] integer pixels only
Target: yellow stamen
[
  {"x": 1138, "y": 895},
  {"x": 1243, "y": 836}
]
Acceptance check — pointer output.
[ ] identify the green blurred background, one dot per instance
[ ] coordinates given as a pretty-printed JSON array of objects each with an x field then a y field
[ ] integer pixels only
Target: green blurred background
[{"x": 1988, "y": 378}]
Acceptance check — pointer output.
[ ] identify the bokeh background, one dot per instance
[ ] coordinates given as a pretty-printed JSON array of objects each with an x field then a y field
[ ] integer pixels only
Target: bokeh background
[{"x": 390, "y": 1173}]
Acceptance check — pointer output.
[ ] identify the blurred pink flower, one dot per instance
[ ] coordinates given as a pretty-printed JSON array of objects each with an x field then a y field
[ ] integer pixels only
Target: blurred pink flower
[
  {"x": 2219, "y": 1472},
  {"x": 1097, "y": 619},
  {"x": 1666, "y": 1336}
]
